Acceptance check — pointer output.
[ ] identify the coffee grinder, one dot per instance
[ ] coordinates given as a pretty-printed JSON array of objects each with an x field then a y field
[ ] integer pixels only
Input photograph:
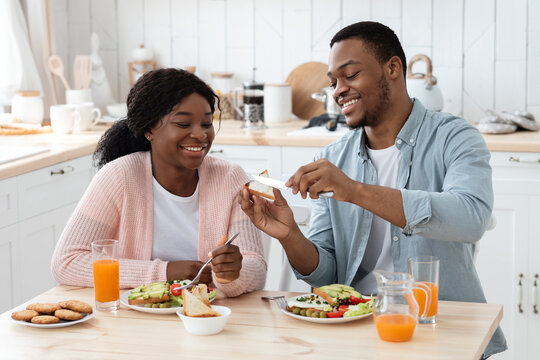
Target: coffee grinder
[{"x": 252, "y": 109}]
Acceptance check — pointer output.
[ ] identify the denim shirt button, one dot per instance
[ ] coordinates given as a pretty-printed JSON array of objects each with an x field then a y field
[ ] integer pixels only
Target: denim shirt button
[
  {"x": 395, "y": 238},
  {"x": 399, "y": 141}
]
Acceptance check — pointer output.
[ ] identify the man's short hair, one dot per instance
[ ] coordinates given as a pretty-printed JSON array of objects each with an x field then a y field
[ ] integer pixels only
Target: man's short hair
[{"x": 380, "y": 38}]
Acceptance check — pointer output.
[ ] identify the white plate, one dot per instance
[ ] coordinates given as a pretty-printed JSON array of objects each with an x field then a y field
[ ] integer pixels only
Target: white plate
[
  {"x": 171, "y": 310},
  {"x": 323, "y": 320},
  {"x": 62, "y": 323}
]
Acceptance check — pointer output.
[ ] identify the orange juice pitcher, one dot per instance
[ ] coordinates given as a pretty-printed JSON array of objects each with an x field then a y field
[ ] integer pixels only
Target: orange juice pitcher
[{"x": 395, "y": 310}]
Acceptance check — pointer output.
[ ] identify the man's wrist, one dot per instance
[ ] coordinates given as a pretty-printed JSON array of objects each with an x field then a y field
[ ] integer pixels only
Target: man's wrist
[{"x": 356, "y": 193}]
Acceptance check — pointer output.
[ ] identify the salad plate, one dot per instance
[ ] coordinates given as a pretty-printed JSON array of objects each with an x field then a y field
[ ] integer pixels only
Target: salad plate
[
  {"x": 124, "y": 300},
  {"x": 62, "y": 323},
  {"x": 321, "y": 320}
]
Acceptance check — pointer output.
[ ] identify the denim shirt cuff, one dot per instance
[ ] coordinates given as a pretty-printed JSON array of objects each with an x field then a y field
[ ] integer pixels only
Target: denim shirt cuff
[
  {"x": 417, "y": 208},
  {"x": 319, "y": 275}
]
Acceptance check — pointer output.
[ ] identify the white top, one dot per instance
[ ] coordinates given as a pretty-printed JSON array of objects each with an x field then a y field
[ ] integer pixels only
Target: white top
[
  {"x": 386, "y": 162},
  {"x": 176, "y": 225}
]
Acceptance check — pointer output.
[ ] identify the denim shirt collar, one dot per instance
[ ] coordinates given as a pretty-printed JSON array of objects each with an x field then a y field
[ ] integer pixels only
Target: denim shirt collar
[{"x": 408, "y": 133}]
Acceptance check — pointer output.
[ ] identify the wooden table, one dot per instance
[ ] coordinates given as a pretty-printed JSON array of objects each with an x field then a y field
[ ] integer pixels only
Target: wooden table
[{"x": 255, "y": 330}]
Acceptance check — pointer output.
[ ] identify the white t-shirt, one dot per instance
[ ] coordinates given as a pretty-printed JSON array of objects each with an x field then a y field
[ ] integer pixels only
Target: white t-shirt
[
  {"x": 386, "y": 162},
  {"x": 176, "y": 225}
]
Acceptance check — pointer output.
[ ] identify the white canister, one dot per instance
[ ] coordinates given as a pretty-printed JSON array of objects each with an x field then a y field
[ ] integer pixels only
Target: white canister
[
  {"x": 64, "y": 118},
  {"x": 277, "y": 103},
  {"x": 27, "y": 107}
]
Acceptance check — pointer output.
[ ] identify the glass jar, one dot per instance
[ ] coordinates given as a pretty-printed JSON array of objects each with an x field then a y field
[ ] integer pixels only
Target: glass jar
[
  {"x": 27, "y": 107},
  {"x": 395, "y": 309}
]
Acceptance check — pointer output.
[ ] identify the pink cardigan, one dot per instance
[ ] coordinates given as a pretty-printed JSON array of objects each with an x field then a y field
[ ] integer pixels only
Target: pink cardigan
[{"x": 118, "y": 204}]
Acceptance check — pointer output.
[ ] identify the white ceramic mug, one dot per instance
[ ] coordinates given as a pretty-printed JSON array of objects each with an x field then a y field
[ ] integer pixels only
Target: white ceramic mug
[
  {"x": 78, "y": 96},
  {"x": 277, "y": 103},
  {"x": 64, "y": 118},
  {"x": 90, "y": 116}
]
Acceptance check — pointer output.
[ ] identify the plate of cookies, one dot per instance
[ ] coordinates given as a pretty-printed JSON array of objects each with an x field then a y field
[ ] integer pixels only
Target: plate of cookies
[{"x": 54, "y": 315}]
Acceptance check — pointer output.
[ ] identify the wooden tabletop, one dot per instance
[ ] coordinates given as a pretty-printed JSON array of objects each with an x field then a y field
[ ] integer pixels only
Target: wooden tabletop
[{"x": 255, "y": 330}]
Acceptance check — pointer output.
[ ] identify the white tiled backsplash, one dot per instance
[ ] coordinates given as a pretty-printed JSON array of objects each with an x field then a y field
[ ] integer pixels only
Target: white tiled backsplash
[{"x": 486, "y": 53}]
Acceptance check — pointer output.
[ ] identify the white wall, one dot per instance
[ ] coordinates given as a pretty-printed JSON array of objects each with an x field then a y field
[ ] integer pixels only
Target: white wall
[{"x": 486, "y": 53}]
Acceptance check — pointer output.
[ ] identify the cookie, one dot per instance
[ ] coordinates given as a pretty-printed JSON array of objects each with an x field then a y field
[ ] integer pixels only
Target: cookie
[
  {"x": 44, "y": 308},
  {"x": 45, "y": 319},
  {"x": 76, "y": 305},
  {"x": 24, "y": 315},
  {"x": 65, "y": 314}
]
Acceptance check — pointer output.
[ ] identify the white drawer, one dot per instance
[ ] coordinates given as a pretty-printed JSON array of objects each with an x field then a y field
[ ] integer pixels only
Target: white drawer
[
  {"x": 253, "y": 159},
  {"x": 8, "y": 202},
  {"x": 53, "y": 187}
]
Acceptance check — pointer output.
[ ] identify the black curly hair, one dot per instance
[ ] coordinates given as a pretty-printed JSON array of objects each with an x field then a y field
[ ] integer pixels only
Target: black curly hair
[
  {"x": 152, "y": 97},
  {"x": 380, "y": 38}
]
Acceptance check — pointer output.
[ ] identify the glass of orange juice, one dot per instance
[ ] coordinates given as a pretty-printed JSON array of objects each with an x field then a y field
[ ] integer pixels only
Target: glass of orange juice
[
  {"x": 106, "y": 274},
  {"x": 425, "y": 271}
]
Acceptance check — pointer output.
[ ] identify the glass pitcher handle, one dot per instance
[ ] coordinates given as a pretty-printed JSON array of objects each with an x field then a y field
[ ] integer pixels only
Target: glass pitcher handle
[{"x": 423, "y": 287}]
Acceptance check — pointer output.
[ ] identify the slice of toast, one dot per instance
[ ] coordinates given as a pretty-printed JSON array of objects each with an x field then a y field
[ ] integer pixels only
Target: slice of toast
[
  {"x": 256, "y": 188},
  {"x": 201, "y": 292},
  {"x": 193, "y": 306}
]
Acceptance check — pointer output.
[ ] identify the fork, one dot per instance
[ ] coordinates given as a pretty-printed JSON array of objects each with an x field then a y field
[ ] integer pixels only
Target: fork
[
  {"x": 196, "y": 279},
  {"x": 278, "y": 300}
]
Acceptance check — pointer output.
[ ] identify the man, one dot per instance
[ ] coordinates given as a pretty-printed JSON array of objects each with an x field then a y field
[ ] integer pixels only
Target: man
[{"x": 406, "y": 181}]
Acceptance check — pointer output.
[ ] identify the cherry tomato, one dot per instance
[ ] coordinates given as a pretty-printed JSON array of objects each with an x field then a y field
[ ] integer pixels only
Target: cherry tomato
[
  {"x": 174, "y": 291},
  {"x": 365, "y": 300},
  {"x": 354, "y": 300},
  {"x": 343, "y": 308},
  {"x": 336, "y": 314}
]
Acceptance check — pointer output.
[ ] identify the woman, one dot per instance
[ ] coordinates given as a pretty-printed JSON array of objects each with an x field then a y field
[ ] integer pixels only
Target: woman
[{"x": 158, "y": 193}]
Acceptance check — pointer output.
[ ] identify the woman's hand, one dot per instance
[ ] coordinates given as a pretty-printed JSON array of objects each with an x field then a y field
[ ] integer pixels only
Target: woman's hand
[
  {"x": 187, "y": 270},
  {"x": 227, "y": 263}
]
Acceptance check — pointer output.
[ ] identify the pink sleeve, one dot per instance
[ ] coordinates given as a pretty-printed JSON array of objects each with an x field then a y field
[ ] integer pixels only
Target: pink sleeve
[{"x": 98, "y": 216}]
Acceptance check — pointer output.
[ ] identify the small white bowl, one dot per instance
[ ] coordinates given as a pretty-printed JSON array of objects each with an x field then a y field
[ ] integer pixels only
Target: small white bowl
[
  {"x": 205, "y": 325},
  {"x": 117, "y": 110}
]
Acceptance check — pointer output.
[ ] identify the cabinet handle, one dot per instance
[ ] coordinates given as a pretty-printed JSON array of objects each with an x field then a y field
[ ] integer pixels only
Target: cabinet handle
[
  {"x": 534, "y": 295},
  {"x": 66, "y": 170},
  {"x": 525, "y": 159},
  {"x": 520, "y": 294},
  {"x": 220, "y": 151}
]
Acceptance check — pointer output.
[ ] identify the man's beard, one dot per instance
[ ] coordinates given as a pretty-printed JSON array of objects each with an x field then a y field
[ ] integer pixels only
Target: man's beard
[{"x": 371, "y": 117}]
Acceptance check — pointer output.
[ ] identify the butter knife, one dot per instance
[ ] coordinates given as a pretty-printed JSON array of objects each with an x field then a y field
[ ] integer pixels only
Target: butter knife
[{"x": 278, "y": 184}]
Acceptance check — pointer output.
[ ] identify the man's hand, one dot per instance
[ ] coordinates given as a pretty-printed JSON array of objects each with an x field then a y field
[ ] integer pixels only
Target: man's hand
[
  {"x": 320, "y": 176},
  {"x": 274, "y": 218},
  {"x": 227, "y": 263},
  {"x": 188, "y": 269}
]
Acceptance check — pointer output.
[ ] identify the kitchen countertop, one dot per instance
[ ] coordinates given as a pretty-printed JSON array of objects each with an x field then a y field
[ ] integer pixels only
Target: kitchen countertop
[
  {"x": 255, "y": 330},
  {"x": 67, "y": 147}
]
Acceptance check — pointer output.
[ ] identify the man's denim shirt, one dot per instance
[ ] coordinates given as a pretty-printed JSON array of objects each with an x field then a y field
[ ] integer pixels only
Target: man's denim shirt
[{"x": 445, "y": 182}]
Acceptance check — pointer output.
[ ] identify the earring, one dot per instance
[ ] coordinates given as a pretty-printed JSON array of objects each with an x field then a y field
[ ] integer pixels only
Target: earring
[{"x": 148, "y": 138}]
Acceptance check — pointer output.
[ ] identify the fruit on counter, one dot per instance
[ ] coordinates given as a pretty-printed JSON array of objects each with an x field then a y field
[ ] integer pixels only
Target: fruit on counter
[{"x": 337, "y": 294}]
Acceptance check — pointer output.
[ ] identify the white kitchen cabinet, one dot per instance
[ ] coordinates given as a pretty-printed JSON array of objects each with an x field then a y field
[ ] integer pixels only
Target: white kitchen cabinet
[
  {"x": 33, "y": 250},
  {"x": 253, "y": 159},
  {"x": 507, "y": 260},
  {"x": 35, "y": 207},
  {"x": 8, "y": 235}
]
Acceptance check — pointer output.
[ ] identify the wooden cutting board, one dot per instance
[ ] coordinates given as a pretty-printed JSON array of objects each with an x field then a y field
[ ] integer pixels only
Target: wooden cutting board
[{"x": 306, "y": 79}]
